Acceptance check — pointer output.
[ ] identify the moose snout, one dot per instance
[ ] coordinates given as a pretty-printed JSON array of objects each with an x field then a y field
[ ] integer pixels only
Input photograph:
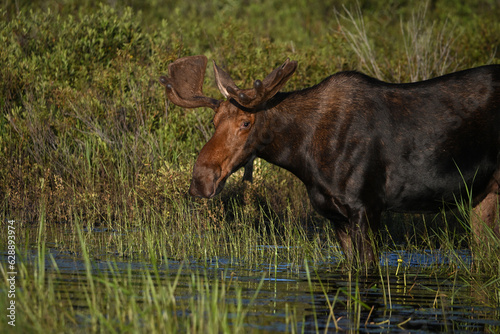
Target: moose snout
[
  {"x": 197, "y": 189},
  {"x": 205, "y": 181}
]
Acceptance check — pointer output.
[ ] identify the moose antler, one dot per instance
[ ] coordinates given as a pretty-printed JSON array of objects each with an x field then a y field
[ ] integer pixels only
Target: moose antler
[
  {"x": 184, "y": 87},
  {"x": 261, "y": 91}
]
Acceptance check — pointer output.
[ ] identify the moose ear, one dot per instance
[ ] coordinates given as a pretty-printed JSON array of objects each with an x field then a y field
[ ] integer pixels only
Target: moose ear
[
  {"x": 184, "y": 86},
  {"x": 224, "y": 82}
]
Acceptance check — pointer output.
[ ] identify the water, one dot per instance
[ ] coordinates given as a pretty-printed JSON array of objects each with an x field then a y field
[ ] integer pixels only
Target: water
[{"x": 408, "y": 294}]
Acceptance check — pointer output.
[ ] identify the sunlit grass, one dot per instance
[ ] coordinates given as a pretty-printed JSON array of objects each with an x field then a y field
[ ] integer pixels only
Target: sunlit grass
[
  {"x": 95, "y": 164},
  {"x": 130, "y": 279}
]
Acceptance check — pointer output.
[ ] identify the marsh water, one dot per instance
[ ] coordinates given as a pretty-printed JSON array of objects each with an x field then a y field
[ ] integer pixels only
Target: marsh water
[{"x": 407, "y": 293}]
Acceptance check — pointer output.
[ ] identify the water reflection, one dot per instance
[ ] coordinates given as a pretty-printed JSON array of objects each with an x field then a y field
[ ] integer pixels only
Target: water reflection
[{"x": 417, "y": 298}]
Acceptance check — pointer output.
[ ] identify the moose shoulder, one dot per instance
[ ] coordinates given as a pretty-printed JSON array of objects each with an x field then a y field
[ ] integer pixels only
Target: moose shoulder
[{"x": 361, "y": 146}]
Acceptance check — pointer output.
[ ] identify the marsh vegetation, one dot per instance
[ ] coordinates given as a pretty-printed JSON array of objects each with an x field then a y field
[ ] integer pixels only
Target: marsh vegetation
[{"x": 95, "y": 165}]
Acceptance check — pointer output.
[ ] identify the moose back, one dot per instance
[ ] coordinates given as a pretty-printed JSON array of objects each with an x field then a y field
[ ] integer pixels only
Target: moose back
[{"x": 361, "y": 146}]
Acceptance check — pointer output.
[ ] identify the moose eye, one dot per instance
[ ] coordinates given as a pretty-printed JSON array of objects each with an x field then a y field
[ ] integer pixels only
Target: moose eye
[{"x": 245, "y": 124}]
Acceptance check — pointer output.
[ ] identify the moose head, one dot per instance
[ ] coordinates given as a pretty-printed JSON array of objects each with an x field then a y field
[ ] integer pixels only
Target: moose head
[{"x": 236, "y": 136}]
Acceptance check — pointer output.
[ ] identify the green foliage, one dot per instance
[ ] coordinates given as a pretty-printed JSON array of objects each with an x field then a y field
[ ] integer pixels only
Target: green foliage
[
  {"x": 85, "y": 126},
  {"x": 87, "y": 137}
]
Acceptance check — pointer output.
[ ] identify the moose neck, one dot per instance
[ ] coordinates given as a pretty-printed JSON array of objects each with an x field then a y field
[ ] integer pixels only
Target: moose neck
[{"x": 286, "y": 131}]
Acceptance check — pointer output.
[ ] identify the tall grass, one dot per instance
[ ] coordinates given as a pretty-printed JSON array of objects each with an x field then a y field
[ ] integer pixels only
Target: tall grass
[
  {"x": 83, "y": 114},
  {"x": 118, "y": 300},
  {"x": 86, "y": 131},
  {"x": 185, "y": 279},
  {"x": 89, "y": 143},
  {"x": 104, "y": 293},
  {"x": 428, "y": 46}
]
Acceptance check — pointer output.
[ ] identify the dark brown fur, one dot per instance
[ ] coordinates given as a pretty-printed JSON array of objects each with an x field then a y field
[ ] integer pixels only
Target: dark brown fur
[{"x": 361, "y": 146}]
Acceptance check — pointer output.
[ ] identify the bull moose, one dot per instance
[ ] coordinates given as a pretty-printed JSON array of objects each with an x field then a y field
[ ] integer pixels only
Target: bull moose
[{"x": 361, "y": 146}]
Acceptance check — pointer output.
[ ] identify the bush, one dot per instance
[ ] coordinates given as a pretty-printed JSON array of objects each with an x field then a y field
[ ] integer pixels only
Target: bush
[{"x": 85, "y": 126}]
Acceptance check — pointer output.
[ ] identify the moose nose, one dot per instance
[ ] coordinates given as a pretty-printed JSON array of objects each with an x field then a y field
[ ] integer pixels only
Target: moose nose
[
  {"x": 204, "y": 182},
  {"x": 194, "y": 190}
]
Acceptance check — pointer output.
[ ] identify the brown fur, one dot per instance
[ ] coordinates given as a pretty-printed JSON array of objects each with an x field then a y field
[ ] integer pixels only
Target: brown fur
[{"x": 360, "y": 146}]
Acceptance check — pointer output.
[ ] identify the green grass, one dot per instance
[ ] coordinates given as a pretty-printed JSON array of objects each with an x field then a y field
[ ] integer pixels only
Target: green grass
[
  {"x": 85, "y": 123},
  {"x": 89, "y": 141},
  {"x": 159, "y": 290}
]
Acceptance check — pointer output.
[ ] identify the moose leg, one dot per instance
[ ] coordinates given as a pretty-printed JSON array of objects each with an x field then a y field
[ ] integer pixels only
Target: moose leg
[
  {"x": 248, "y": 174},
  {"x": 344, "y": 238},
  {"x": 362, "y": 225},
  {"x": 486, "y": 215},
  {"x": 355, "y": 237}
]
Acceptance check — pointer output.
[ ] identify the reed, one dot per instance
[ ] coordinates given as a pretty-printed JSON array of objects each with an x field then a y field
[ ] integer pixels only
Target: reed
[{"x": 95, "y": 164}]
